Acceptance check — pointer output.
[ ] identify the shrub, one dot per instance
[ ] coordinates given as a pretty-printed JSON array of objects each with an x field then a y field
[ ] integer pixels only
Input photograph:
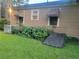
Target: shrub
[
  {"x": 16, "y": 29},
  {"x": 27, "y": 31},
  {"x": 38, "y": 33},
  {"x": 2, "y": 22},
  {"x": 70, "y": 39}
]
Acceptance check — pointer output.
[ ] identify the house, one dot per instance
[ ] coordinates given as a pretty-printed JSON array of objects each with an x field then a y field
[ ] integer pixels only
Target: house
[
  {"x": 3, "y": 8},
  {"x": 0, "y": 9},
  {"x": 60, "y": 16}
]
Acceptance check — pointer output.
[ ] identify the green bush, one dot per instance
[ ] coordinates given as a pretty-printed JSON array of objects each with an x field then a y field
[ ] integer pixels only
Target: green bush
[
  {"x": 16, "y": 30},
  {"x": 38, "y": 33},
  {"x": 70, "y": 39},
  {"x": 27, "y": 31},
  {"x": 2, "y": 23}
]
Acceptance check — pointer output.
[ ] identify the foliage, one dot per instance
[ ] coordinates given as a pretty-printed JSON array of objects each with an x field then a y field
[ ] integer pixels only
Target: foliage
[
  {"x": 38, "y": 33},
  {"x": 16, "y": 29},
  {"x": 27, "y": 31},
  {"x": 19, "y": 2},
  {"x": 70, "y": 39},
  {"x": 2, "y": 23}
]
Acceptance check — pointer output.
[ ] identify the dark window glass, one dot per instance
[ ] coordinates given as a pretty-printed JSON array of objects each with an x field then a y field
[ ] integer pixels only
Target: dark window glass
[
  {"x": 20, "y": 20},
  {"x": 35, "y": 17},
  {"x": 53, "y": 20},
  {"x": 35, "y": 12}
]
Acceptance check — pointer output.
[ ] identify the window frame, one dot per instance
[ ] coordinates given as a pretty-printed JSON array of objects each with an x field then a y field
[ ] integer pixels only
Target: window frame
[
  {"x": 58, "y": 20},
  {"x": 32, "y": 14}
]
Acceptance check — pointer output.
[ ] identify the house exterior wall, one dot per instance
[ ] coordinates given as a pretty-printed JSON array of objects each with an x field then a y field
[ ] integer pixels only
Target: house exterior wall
[
  {"x": 43, "y": 17},
  {"x": 10, "y": 16},
  {"x": 42, "y": 21},
  {"x": 0, "y": 9},
  {"x": 68, "y": 19}
]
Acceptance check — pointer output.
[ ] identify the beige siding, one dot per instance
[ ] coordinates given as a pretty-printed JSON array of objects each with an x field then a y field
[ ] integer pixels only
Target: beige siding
[
  {"x": 69, "y": 20},
  {"x": 0, "y": 9},
  {"x": 10, "y": 16},
  {"x": 42, "y": 18}
]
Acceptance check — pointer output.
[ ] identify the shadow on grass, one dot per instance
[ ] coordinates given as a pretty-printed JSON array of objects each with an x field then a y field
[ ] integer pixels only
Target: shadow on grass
[{"x": 72, "y": 40}]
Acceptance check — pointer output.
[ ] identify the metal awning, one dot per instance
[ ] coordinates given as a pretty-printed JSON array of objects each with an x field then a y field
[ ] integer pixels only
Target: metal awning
[
  {"x": 17, "y": 15},
  {"x": 52, "y": 15}
]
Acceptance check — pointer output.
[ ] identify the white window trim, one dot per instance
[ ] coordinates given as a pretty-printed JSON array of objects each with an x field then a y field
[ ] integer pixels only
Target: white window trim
[
  {"x": 24, "y": 18},
  {"x": 48, "y": 21},
  {"x": 33, "y": 14},
  {"x": 57, "y": 22},
  {"x": 23, "y": 21}
]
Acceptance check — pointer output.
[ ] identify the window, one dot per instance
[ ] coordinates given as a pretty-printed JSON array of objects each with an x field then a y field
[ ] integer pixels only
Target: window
[
  {"x": 53, "y": 20},
  {"x": 34, "y": 17},
  {"x": 34, "y": 14},
  {"x": 20, "y": 20}
]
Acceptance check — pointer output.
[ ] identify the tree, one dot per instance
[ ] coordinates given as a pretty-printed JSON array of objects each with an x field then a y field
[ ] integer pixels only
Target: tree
[{"x": 20, "y": 2}]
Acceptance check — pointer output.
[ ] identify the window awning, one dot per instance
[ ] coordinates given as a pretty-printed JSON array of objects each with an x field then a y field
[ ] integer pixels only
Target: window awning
[
  {"x": 54, "y": 12},
  {"x": 52, "y": 15},
  {"x": 17, "y": 15}
]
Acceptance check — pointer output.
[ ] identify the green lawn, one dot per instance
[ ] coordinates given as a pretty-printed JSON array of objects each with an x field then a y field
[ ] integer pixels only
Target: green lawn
[{"x": 16, "y": 47}]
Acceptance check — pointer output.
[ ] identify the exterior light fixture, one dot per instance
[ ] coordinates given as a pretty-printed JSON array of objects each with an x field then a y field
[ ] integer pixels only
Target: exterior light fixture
[
  {"x": 10, "y": 13},
  {"x": 10, "y": 10}
]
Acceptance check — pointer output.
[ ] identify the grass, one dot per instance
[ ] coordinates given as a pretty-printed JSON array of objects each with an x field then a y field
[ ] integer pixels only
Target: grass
[{"x": 16, "y": 47}]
